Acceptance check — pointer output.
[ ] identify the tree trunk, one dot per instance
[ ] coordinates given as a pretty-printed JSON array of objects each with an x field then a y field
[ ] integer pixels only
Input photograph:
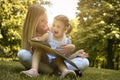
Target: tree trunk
[
  {"x": 110, "y": 56},
  {"x": 117, "y": 62}
]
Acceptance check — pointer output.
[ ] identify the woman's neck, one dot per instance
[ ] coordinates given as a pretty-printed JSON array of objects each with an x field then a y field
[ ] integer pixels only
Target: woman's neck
[{"x": 38, "y": 34}]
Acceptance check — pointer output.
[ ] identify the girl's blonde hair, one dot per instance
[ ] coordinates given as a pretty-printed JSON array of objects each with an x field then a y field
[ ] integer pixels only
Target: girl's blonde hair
[
  {"x": 65, "y": 21},
  {"x": 30, "y": 24}
]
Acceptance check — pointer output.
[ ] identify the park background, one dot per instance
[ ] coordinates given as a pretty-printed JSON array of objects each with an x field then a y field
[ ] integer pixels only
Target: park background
[{"x": 96, "y": 29}]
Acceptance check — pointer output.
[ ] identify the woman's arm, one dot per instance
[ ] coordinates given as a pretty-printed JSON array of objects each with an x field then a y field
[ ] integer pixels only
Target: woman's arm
[{"x": 67, "y": 49}]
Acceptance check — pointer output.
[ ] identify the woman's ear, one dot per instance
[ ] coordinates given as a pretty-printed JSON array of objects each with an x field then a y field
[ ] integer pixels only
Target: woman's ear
[
  {"x": 66, "y": 29},
  {"x": 69, "y": 29}
]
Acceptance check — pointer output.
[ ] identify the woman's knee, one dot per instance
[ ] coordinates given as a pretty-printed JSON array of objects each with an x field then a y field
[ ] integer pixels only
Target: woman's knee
[
  {"x": 87, "y": 62},
  {"x": 82, "y": 63},
  {"x": 24, "y": 54}
]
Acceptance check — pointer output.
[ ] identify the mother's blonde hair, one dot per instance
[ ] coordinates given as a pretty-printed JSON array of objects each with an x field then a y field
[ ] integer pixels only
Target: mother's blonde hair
[{"x": 30, "y": 24}]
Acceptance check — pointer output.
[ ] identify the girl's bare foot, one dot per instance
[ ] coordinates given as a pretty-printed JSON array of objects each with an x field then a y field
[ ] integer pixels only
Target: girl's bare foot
[
  {"x": 30, "y": 73},
  {"x": 68, "y": 74}
]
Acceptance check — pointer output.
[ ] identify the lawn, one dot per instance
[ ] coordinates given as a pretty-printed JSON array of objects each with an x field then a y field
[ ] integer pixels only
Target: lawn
[{"x": 9, "y": 70}]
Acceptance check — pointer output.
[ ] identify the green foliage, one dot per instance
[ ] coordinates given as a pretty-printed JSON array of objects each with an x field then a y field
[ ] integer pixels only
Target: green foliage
[
  {"x": 98, "y": 24},
  {"x": 12, "y": 15}
]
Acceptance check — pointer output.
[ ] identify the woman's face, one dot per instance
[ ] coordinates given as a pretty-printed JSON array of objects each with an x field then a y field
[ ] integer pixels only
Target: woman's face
[{"x": 42, "y": 26}]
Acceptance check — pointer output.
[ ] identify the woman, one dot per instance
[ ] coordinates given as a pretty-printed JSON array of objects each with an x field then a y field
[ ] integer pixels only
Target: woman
[{"x": 35, "y": 59}]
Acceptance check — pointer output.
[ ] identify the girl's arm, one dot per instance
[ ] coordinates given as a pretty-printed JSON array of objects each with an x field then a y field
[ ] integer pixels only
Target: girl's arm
[{"x": 44, "y": 37}]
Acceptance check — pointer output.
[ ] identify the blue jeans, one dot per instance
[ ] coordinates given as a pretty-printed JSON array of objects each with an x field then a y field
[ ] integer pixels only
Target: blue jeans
[{"x": 25, "y": 58}]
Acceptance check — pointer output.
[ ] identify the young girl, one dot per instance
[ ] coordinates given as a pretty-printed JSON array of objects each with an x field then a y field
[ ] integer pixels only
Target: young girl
[{"x": 57, "y": 36}]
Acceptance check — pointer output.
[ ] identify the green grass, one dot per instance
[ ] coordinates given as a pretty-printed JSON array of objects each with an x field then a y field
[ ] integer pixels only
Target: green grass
[{"x": 10, "y": 70}]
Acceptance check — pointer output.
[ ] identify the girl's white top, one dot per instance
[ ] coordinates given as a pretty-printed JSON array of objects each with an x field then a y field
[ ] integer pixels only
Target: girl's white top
[{"x": 54, "y": 43}]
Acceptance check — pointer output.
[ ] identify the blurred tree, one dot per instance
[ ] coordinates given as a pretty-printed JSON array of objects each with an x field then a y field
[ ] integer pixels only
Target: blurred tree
[
  {"x": 99, "y": 30},
  {"x": 12, "y": 15}
]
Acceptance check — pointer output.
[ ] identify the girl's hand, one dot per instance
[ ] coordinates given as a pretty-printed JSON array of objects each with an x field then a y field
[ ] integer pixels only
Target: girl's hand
[{"x": 35, "y": 38}]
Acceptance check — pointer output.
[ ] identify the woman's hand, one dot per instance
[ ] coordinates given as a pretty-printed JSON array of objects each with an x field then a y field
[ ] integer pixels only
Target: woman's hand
[
  {"x": 79, "y": 53},
  {"x": 67, "y": 49}
]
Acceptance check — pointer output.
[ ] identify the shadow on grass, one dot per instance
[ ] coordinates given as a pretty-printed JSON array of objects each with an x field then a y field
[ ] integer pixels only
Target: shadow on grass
[{"x": 10, "y": 70}]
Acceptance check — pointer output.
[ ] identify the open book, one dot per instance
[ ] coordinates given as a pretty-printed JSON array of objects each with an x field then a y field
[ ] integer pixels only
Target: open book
[{"x": 46, "y": 47}]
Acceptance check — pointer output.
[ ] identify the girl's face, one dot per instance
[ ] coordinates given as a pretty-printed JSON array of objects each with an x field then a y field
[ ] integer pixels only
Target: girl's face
[
  {"x": 58, "y": 28},
  {"x": 42, "y": 26}
]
